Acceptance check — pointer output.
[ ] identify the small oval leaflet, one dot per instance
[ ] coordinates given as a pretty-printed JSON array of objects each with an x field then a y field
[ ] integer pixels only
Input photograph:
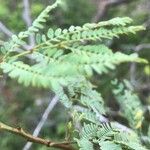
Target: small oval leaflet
[
  {"x": 58, "y": 32},
  {"x": 50, "y": 33},
  {"x": 72, "y": 28},
  {"x": 38, "y": 38}
]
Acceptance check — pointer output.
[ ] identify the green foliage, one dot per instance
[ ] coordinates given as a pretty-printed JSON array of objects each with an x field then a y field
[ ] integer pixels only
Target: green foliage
[
  {"x": 107, "y": 138},
  {"x": 125, "y": 95},
  {"x": 65, "y": 49},
  {"x": 64, "y": 60}
]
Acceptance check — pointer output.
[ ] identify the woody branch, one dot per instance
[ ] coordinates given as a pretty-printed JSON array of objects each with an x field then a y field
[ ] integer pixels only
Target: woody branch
[{"x": 19, "y": 131}]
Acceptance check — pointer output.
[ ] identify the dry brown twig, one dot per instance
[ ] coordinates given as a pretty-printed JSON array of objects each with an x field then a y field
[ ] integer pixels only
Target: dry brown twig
[{"x": 19, "y": 131}]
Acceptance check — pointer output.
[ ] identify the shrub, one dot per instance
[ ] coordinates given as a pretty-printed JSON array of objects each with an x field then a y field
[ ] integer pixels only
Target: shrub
[{"x": 64, "y": 61}]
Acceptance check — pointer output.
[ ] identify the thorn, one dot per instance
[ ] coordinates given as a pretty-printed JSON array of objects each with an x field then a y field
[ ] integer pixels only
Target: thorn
[
  {"x": 19, "y": 128},
  {"x": 49, "y": 143}
]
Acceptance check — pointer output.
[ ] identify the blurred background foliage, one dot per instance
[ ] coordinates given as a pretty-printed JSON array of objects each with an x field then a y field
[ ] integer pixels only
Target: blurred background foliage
[{"x": 20, "y": 106}]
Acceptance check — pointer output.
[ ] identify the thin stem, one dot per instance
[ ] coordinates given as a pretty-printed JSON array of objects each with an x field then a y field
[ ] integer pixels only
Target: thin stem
[
  {"x": 41, "y": 123},
  {"x": 22, "y": 54},
  {"x": 28, "y": 20}
]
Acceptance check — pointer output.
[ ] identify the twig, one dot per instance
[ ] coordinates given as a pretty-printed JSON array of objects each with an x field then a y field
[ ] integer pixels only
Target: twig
[
  {"x": 9, "y": 33},
  {"x": 100, "y": 11},
  {"x": 103, "y": 119},
  {"x": 133, "y": 73},
  {"x": 103, "y": 6},
  {"x": 5, "y": 30},
  {"x": 116, "y": 124},
  {"x": 19, "y": 131},
  {"x": 27, "y": 18},
  {"x": 45, "y": 115},
  {"x": 133, "y": 65},
  {"x": 141, "y": 46}
]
